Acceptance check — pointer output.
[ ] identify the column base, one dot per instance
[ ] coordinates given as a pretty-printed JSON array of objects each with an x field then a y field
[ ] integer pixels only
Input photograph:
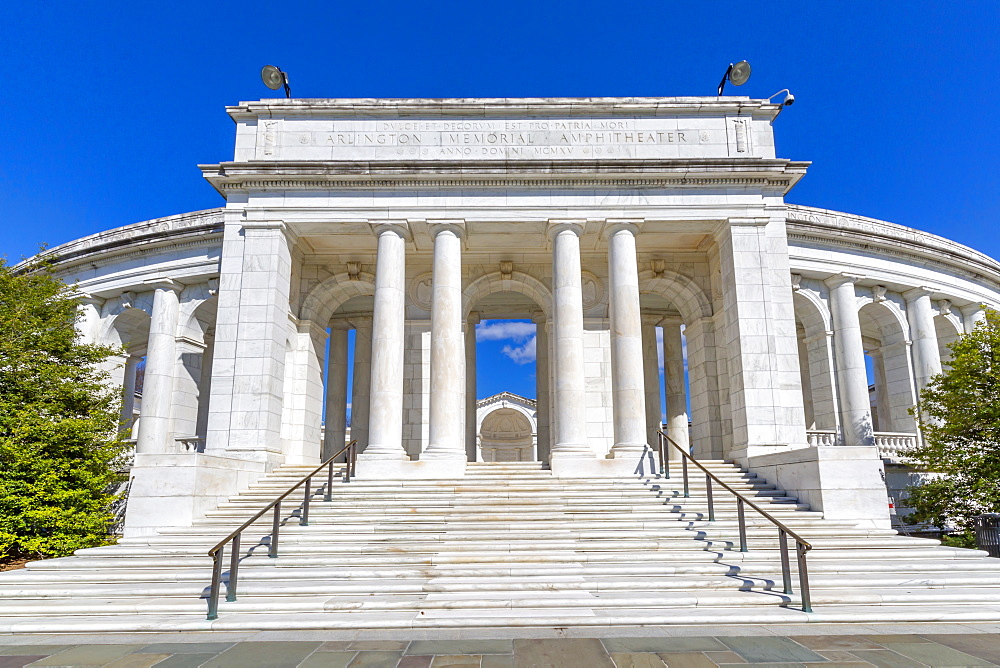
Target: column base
[
  {"x": 843, "y": 482},
  {"x": 379, "y": 468},
  {"x": 174, "y": 490},
  {"x": 622, "y": 465}
]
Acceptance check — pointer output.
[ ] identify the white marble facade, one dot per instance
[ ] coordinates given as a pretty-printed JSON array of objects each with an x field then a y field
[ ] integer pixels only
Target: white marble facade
[{"x": 627, "y": 229}]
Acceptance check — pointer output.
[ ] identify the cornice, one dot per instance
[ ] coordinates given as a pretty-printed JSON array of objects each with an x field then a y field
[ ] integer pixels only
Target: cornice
[
  {"x": 833, "y": 228},
  {"x": 136, "y": 239},
  {"x": 505, "y": 107},
  {"x": 774, "y": 175}
]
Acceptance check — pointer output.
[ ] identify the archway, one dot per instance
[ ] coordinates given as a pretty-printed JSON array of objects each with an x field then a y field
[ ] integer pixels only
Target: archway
[
  {"x": 884, "y": 334},
  {"x": 506, "y": 435}
]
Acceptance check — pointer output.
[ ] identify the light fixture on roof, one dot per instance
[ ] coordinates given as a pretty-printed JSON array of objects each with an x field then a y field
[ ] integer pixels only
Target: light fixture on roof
[
  {"x": 737, "y": 74},
  {"x": 274, "y": 79}
]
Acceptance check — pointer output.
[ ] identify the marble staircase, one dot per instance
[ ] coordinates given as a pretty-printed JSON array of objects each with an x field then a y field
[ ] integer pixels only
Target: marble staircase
[{"x": 507, "y": 545}]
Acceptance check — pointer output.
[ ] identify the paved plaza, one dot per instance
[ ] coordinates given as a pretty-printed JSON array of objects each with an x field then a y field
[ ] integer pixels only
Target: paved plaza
[{"x": 857, "y": 645}]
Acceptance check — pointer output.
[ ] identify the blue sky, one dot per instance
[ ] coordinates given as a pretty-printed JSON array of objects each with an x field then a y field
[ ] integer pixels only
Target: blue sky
[{"x": 108, "y": 107}]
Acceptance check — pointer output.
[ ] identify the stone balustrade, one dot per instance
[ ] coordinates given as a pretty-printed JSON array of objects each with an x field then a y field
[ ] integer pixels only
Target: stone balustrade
[
  {"x": 821, "y": 437},
  {"x": 894, "y": 445}
]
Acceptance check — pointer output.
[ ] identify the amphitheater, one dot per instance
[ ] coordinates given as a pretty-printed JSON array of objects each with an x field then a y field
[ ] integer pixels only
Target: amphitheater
[{"x": 364, "y": 239}]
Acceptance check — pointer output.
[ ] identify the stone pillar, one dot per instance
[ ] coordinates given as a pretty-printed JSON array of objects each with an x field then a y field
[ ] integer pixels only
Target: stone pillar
[
  {"x": 765, "y": 390},
  {"x": 570, "y": 380},
  {"x": 335, "y": 429},
  {"x": 627, "y": 377},
  {"x": 881, "y": 417},
  {"x": 543, "y": 433},
  {"x": 470, "y": 387},
  {"x": 926, "y": 354},
  {"x": 385, "y": 418},
  {"x": 362, "y": 379},
  {"x": 446, "y": 431},
  {"x": 852, "y": 379},
  {"x": 251, "y": 337},
  {"x": 706, "y": 373},
  {"x": 651, "y": 378},
  {"x": 128, "y": 394},
  {"x": 154, "y": 433},
  {"x": 972, "y": 315},
  {"x": 675, "y": 388}
]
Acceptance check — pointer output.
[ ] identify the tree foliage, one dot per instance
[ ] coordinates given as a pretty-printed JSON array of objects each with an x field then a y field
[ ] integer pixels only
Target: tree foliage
[
  {"x": 58, "y": 422},
  {"x": 960, "y": 419}
]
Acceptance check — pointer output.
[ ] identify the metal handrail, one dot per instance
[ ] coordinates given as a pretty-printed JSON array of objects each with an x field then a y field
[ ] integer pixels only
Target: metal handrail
[
  {"x": 802, "y": 546},
  {"x": 218, "y": 552}
]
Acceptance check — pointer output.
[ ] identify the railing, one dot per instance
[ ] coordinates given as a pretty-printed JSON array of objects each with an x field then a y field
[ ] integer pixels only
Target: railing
[
  {"x": 801, "y": 545},
  {"x": 894, "y": 445},
  {"x": 218, "y": 552},
  {"x": 821, "y": 437}
]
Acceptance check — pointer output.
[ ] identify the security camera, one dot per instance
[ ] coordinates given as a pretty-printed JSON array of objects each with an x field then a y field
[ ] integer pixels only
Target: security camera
[{"x": 789, "y": 100}]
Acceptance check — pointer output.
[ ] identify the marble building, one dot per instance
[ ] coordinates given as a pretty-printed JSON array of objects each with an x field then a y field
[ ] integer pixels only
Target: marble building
[{"x": 604, "y": 220}]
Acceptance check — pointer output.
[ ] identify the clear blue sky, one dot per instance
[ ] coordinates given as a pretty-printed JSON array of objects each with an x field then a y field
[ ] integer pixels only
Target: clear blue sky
[{"x": 108, "y": 107}]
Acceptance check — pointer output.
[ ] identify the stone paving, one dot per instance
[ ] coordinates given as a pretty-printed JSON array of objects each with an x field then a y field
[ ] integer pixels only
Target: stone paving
[{"x": 829, "y": 646}]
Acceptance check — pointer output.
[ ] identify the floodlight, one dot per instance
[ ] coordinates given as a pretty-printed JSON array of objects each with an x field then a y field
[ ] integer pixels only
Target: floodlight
[
  {"x": 737, "y": 74},
  {"x": 274, "y": 79}
]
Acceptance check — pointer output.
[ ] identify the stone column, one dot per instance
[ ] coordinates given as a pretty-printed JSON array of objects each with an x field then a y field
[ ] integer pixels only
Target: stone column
[
  {"x": 128, "y": 394},
  {"x": 627, "y": 377},
  {"x": 335, "y": 430},
  {"x": 849, "y": 353},
  {"x": 569, "y": 377},
  {"x": 675, "y": 388},
  {"x": 361, "y": 385},
  {"x": 651, "y": 378},
  {"x": 385, "y": 418},
  {"x": 972, "y": 315},
  {"x": 446, "y": 432},
  {"x": 470, "y": 387},
  {"x": 881, "y": 417},
  {"x": 154, "y": 433},
  {"x": 926, "y": 354},
  {"x": 543, "y": 435}
]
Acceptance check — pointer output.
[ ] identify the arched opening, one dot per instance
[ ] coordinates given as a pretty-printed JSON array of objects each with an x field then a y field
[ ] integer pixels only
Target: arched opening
[
  {"x": 129, "y": 330},
  {"x": 947, "y": 328},
  {"x": 888, "y": 358},
  {"x": 193, "y": 376},
  {"x": 507, "y": 435},
  {"x": 816, "y": 367}
]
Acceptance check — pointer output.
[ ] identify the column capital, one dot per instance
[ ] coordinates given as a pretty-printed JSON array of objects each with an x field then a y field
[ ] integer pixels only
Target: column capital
[
  {"x": 360, "y": 321},
  {"x": 746, "y": 221},
  {"x": 917, "y": 293},
  {"x": 839, "y": 279},
  {"x": 613, "y": 225},
  {"x": 163, "y": 284},
  {"x": 340, "y": 324},
  {"x": 264, "y": 225},
  {"x": 456, "y": 225},
  {"x": 89, "y": 299},
  {"x": 474, "y": 318},
  {"x": 400, "y": 227},
  {"x": 653, "y": 319},
  {"x": 557, "y": 225},
  {"x": 671, "y": 321}
]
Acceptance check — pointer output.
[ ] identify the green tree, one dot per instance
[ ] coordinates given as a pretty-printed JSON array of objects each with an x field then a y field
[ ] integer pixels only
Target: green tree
[
  {"x": 58, "y": 423},
  {"x": 960, "y": 419}
]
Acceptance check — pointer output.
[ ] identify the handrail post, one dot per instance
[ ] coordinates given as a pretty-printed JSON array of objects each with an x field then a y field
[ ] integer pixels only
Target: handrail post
[
  {"x": 304, "y": 517},
  {"x": 711, "y": 503},
  {"x": 743, "y": 524},
  {"x": 275, "y": 524},
  {"x": 329, "y": 482},
  {"x": 234, "y": 567},
  {"x": 800, "y": 556},
  {"x": 664, "y": 471},
  {"x": 213, "y": 593},
  {"x": 786, "y": 571},
  {"x": 687, "y": 489}
]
